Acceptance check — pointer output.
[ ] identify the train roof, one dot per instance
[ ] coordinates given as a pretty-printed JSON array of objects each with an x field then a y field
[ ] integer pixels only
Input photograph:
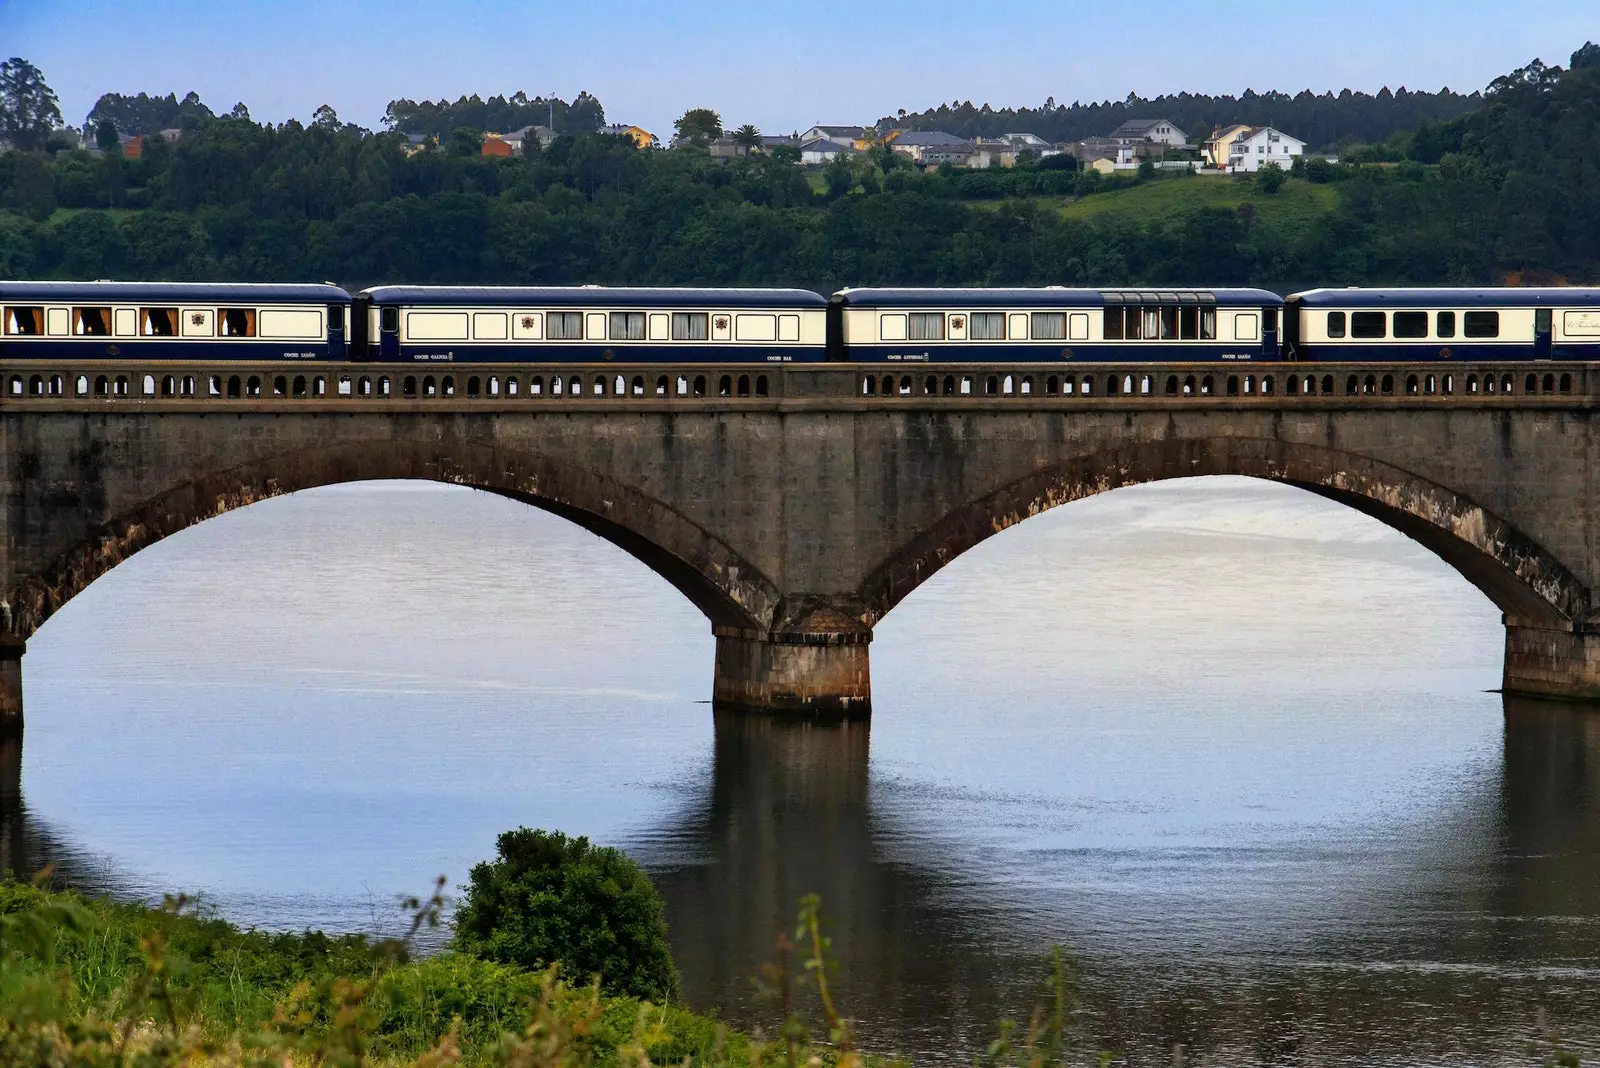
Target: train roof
[
  {"x": 597, "y": 296},
  {"x": 176, "y": 292},
  {"x": 1053, "y": 297},
  {"x": 1445, "y": 297}
]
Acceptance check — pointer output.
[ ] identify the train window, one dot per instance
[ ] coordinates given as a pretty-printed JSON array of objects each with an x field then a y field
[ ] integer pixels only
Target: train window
[
  {"x": 1189, "y": 323},
  {"x": 563, "y": 326},
  {"x": 1480, "y": 324},
  {"x": 1169, "y": 323},
  {"x": 158, "y": 322},
  {"x": 1336, "y": 324},
  {"x": 1369, "y": 324},
  {"x": 336, "y": 317},
  {"x": 788, "y": 328},
  {"x": 627, "y": 326},
  {"x": 1150, "y": 323},
  {"x": 1246, "y": 327},
  {"x": 241, "y": 322},
  {"x": 490, "y": 326},
  {"x": 24, "y": 322},
  {"x": 1542, "y": 318},
  {"x": 1444, "y": 324},
  {"x": 925, "y": 326},
  {"x": 986, "y": 326},
  {"x": 691, "y": 326},
  {"x": 891, "y": 328},
  {"x": 436, "y": 326},
  {"x": 1112, "y": 327},
  {"x": 755, "y": 327},
  {"x": 1411, "y": 324},
  {"x": 1208, "y": 324},
  {"x": 1132, "y": 324},
  {"x": 389, "y": 320},
  {"x": 91, "y": 322},
  {"x": 1269, "y": 319},
  {"x": 1049, "y": 326}
]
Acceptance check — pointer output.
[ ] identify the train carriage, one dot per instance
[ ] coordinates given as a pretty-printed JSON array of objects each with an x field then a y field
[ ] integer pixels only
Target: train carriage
[
  {"x": 580, "y": 324},
  {"x": 1055, "y": 323},
  {"x": 1352, "y": 325},
  {"x": 172, "y": 321}
]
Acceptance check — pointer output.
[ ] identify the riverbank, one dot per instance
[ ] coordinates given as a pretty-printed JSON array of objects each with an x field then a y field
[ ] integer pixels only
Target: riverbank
[{"x": 85, "y": 980}]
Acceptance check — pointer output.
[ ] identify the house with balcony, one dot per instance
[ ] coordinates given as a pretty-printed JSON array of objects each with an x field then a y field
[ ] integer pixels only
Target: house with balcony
[
  {"x": 1215, "y": 150},
  {"x": 1261, "y": 145},
  {"x": 1151, "y": 131},
  {"x": 932, "y": 147}
]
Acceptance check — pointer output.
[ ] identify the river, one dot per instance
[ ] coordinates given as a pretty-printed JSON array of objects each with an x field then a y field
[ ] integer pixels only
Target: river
[{"x": 1229, "y": 745}]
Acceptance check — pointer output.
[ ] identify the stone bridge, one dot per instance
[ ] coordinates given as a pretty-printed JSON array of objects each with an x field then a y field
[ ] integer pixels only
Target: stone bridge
[{"x": 797, "y": 505}]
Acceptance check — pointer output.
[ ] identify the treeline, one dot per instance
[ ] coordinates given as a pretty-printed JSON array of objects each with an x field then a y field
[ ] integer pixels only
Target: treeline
[
  {"x": 500, "y": 114},
  {"x": 1324, "y": 121},
  {"x": 1508, "y": 188}
]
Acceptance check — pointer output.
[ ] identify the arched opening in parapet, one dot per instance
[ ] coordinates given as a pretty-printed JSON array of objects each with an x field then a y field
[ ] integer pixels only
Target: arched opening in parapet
[
  {"x": 309, "y": 704},
  {"x": 1221, "y": 583}
]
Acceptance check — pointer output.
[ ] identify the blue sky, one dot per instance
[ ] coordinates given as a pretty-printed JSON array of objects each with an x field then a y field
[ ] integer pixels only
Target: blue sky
[{"x": 781, "y": 67}]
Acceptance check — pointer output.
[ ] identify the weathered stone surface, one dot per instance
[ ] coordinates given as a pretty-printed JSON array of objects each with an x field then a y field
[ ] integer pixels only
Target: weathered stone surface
[{"x": 796, "y": 522}]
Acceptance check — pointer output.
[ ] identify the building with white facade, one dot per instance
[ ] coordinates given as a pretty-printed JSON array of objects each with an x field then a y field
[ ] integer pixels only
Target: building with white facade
[
  {"x": 1262, "y": 145},
  {"x": 1158, "y": 131}
]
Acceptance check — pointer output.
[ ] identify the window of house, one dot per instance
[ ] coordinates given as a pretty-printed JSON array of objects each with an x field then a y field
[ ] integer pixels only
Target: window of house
[
  {"x": 563, "y": 325},
  {"x": 1411, "y": 324},
  {"x": 24, "y": 322},
  {"x": 987, "y": 326},
  {"x": 91, "y": 322},
  {"x": 241, "y": 322},
  {"x": 1049, "y": 326},
  {"x": 1111, "y": 328},
  {"x": 1444, "y": 324},
  {"x": 1481, "y": 324},
  {"x": 627, "y": 326},
  {"x": 158, "y": 322},
  {"x": 1369, "y": 324},
  {"x": 925, "y": 326},
  {"x": 691, "y": 326}
]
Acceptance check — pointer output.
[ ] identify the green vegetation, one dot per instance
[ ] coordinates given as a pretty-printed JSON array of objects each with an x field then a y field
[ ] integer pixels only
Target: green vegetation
[
  {"x": 549, "y": 899},
  {"x": 1503, "y": 191}
]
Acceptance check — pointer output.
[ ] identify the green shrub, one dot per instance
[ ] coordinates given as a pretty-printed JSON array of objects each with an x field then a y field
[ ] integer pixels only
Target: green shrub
[{"x": 549, "y": 899}]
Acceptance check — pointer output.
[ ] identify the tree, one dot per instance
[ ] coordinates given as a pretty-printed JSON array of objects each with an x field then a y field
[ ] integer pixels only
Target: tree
[
  {"x": 840, "y": 175},
  {"x": 549, "y": 899},
  {"x": 464, "y": 142},
  {"x": 28, "y": 106},
  {"x": 785, "y": 155},
  {"x": 747, "y": 137},
  {"x": 1270, "y": 178},
  {"x": 105, "y": 135},
  {"x": 697, "y": 126},
  {"x": 325, "y": 117}
]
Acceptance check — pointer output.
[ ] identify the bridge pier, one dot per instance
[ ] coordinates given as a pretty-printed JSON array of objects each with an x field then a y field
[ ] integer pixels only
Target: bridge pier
[
  {"x": 11, "y": 652},
  {"x": 820, "y": 674},
  {"x": 1551, "y": 659}
]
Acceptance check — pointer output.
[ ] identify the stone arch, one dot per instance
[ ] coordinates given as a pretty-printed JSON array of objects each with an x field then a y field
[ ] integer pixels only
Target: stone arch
[
  {"x": 730, "y": 591},
  {"x": 1518, "y": 575}
]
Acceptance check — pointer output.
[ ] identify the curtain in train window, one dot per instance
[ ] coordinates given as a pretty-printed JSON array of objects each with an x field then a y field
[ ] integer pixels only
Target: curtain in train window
[
  {"x": 563, "y": 325},
  {"x": 691, "y": 326},
  {"x": 925, "y": 326},
  {"x": 1050, "y": 326},
  {"x": 986, "y": 326},
  {"x": 627, "y": 326}
]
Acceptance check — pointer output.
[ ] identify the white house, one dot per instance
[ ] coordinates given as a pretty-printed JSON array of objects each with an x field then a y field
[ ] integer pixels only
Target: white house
[
  {"x": 1159, "y": 131},
  {"x": 933, "y": 147},
  {"x": 822, "y": 150},
  {"x": 1250, "y": 151},
  {"x": 845, "y": 135}
]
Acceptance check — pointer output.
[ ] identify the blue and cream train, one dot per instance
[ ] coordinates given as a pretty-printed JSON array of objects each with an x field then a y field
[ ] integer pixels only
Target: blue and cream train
[{"x": 584, "y": 324}]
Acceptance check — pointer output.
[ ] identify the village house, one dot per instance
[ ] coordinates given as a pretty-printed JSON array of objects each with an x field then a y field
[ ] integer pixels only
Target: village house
[
  {"x": 844, "y": 135},
  {"x": 133, "y": 147},
  {"x": 822, "y": 150},
  {"x": 1251, "y": 151},
  {"x": 932, "y": 147},
  {"x": 1215, "y": 152},
  {"x": 1155, "y": 131},
  {"x": 518, "y": 139},
  {"x": 1106, "y": 154},
  {"x": 1005, "y": 151},
  {"x": 640, "y": 137}
]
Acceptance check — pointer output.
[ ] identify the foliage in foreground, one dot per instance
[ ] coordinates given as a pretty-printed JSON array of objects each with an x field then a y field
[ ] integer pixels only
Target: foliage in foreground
[
  {"x": 549, "y": 899},
  {"x": 86, "y": 983}
]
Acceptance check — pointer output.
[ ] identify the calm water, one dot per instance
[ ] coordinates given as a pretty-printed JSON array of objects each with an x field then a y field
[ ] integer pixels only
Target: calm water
[{"x": 1226, "y": 743}]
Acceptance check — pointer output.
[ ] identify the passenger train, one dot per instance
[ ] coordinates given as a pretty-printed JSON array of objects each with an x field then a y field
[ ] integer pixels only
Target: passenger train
[{"x": 580, "y": 324}]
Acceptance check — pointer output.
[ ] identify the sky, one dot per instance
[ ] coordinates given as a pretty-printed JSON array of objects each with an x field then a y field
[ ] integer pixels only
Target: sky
[{"x": 782, "y": 67}]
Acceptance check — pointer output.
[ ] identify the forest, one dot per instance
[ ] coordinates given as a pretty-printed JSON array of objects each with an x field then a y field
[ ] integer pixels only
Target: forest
[{"x": 1505, "y": 189}]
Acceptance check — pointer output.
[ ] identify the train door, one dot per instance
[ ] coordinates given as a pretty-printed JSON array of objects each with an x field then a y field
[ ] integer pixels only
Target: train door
[
  {"x": 1542, "y": 318},
  {"x": 389, "y": 333},
  {"x": 1269, "y": 333},
  {"x": 336, "y": 332}
]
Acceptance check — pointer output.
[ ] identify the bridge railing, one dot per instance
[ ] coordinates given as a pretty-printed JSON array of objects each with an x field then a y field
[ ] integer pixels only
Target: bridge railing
[{"x": 188, "y": 383}]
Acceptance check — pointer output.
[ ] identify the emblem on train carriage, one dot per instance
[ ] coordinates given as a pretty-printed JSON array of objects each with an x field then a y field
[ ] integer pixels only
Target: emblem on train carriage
[
  {"x": 1445, "y": 353},
  {"x": 527, "y": 322},
  {"x": 958, "y": 322},
  {"x": 1066, "y": 354},
  {"x": 608, "y": 354},
  {"x": 197, "y": 319},
  {"x": 722, "y": 322}
]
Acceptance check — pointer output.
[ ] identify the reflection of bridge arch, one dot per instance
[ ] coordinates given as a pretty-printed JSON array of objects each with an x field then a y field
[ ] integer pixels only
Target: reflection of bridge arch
[
  {"x": 727, "y": 589},
  {"x": 1512, "y": 570}
]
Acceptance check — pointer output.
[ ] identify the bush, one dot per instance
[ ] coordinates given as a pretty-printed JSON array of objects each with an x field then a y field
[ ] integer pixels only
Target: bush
[
  {"x": 1270, "y": 178},
  {"x": 550, "y": 899}
]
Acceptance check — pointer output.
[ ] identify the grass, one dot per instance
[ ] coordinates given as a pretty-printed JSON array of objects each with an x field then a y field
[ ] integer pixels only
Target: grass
[{"x": 1165, "y": 198}]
